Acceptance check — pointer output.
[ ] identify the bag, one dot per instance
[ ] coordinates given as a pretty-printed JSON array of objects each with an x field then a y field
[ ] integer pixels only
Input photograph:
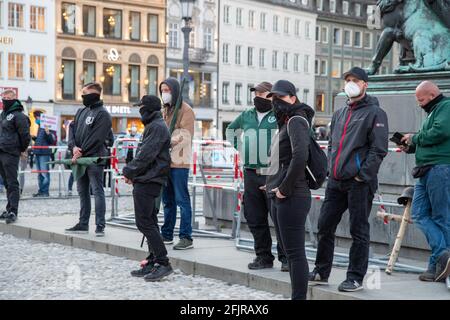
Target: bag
[
  {"x": 317, "y": 164},
  {"x": 419, "y": 172}
]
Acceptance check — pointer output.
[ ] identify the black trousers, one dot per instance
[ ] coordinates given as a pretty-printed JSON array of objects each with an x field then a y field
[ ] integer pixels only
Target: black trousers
[
  {"x": 9, "y": 166},
  {"x": 357, "y": 198},
  {"x": 289, "y": 218},
  {"x": 256, "y": 212},
  {"x": 146, "y": 214},
  {"x": 92, "y": 180}
]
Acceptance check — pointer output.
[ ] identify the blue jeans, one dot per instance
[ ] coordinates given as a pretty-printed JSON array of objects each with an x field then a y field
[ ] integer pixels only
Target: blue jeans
[
  {"x": 43, "y": 177},
  {"x": 175, "y": 194},
  {"x": 431, "y": 210}
]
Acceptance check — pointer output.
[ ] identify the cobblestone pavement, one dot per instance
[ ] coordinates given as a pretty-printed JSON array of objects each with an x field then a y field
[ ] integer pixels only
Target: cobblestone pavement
[{"x": 35, "y": 270}]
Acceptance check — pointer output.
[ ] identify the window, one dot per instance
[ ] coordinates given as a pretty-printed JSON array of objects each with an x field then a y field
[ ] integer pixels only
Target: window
[
  {"x": 15, "y": 66},
  {"x": 239, "y": 17},
  {"x": 37, "y": 18},
  {"x": 237, "y": 94},
  {"x": 337, "y": 36},
  {"x": 68, "y": 82},
  {"x": 317, "y": 33},
  {"x": 153, "y": 28},
  {"x": 89, "y": 23},
  {"x": 134, "y": 25},
  {"x": 357, "y": 9},
  {"x": 225, "y": 88},
  {"x": 1, "y": 60},
  {"x": 134, "y": 85},
  {"x": 306, "y": 64},
  {"x": 275, "y": 24},
  {"x": 305, "y": 95},
  {"x": 347, "y": 65},
  {"x": 251, "y": 19},
  {"x": 1, "y": 18},
  {"x": 296, "y": 62},
  {"x": 37, "y": 67},
  {"x": 15, "y": 15},
  {"x": 308, "y": 30},
  {"x": 263, "y": 21},
  {"x": 68, "y": 17},
  {"x": 336, "y": 68},
  {"x": 357, "y": 40},
  {"x": 238, "y": 54},
  {"x": 249, "y": 95},
  {"x": 317, "y": 67},
  {"x": 324, "y": 67},
  {"x": 286, "y": 25},
  {"x": 324, "y": 34},
  {"x": 319, "y": 5},
  {"x": 345, "y": 7},
  {"x": 285, "y": 61},
  {"x": 367, "y": 40},
  {"x": 347, "y": 38},
  {"x": 226, "y": 14},
  {"x": 275, "y": 60},
  {"x": 320, "y": 102},
  {"x": 262, "y": 58},
  {"x": 88, "y": 72},
  {"x": 333, "y": 6},
  {"x": 112, "y": 83},
  {"x": 112, "y": 23},
  {"x": 250, "y": 57},
  {"x": 152, "y": 77},
  {"x": 208, "y": 39},
  {"x": 297, "y": 28},
  {"x": 225, "y": 53},
  {"x": 173, "y": 35},
  {"x": 192, "y": 38}
]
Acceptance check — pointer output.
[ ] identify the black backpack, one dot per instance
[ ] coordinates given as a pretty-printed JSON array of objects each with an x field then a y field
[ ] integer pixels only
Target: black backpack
[{"x": 317, "y": 164}]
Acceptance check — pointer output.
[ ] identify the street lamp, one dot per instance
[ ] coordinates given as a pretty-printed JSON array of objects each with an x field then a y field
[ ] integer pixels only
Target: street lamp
[{"x": 187, "y": 7}]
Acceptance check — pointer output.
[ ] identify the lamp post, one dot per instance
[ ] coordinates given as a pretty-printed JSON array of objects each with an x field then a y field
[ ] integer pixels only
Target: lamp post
[{"x": 187, "y": 7}]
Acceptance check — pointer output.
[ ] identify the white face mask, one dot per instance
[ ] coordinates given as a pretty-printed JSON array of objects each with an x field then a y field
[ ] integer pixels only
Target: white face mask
[
  {"x": 166, "y": 97},
  {"x": 352, "y": 90}
]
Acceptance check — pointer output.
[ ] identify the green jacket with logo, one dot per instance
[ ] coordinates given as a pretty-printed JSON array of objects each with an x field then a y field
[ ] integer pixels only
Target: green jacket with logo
[
  {"x": 256, "y": 137},
  {"x": 432, "y": 142}
]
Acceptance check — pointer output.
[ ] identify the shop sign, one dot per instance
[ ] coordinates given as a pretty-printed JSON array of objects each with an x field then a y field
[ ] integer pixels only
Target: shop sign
[{"x": 118, "y": 109}]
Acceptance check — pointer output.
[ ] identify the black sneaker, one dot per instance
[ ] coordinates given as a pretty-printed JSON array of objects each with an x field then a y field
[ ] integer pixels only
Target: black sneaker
[
  {"x": 428, "y": 276},
  {"x": 350, "y": 286},
  {"x": 12, "y": 217},
  {"x": 78, "y": 229},
  {"x": 3, "y": 215},
  {"x": 315, "y": 278},
  {"x": 284, "y": 266},
  {"x": 99, "y": 231},
  {"x": 167, "y": 241},
  {"x": 36, "y": 195},
  {"x": 158, "y": 272},
  {"x": 443, "y": 267},
  {"x": 260, "y": 263},
  {"x": 144, "y": 270}
]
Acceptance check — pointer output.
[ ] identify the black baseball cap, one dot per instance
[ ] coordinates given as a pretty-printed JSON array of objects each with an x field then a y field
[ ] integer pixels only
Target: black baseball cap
[
  {"x": 357, "y": 72},
  {"x": 150, "y": 101},
  {"x": 283, "y": 88},
  {"x": 262, "y": 87}
]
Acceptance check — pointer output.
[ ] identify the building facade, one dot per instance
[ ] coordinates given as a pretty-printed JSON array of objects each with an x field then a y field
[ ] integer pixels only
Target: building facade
[
  {"x": 343, "y": 40},
  {"x": 27, "y": 50},
  {"x": 120, "y": 44},
  {"x": 202, "y": 56},
  {"x": 264, "y": 40}
]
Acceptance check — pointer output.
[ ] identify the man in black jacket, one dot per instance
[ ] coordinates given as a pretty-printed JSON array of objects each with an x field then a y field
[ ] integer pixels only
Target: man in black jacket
[
  {"x": 91, "y": 128},
  {"x": 14, "y": 139},
  {"x": 148, "y": 172},
  {"x": 357, "y": 145}
]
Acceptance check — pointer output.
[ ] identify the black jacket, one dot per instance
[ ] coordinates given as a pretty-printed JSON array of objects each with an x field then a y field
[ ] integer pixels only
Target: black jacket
[
  {"x": 91, "y": 128},
  {"x": 152, "y": 161},
  {"x": 289, "y": 154},
  {"x": 358, "y": 141},
  {"x": 14, "y": 130}
]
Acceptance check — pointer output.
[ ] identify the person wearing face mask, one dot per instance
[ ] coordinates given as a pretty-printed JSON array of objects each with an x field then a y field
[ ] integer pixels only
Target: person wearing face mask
[
  {"x": 14, "y": 140},
  {"x": 176, "y": 193},
  {"x": 148, "y": 172},
  {"x": 358, "y": 143},
  {"x": 91, "y": 129},
  {"x": 430, "y": 209},
  {"x": 286, "y": 183},
  {"x": 251, "y": 126}
]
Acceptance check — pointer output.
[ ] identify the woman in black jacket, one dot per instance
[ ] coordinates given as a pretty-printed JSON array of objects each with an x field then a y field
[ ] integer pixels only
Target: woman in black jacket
[{"x": 286, "y": 183}]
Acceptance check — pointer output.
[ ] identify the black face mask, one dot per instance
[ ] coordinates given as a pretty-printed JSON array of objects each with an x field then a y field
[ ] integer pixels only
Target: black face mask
[
  {"x": 90, "y": 99},
  {"x": 430, "y": 105},
  {"x": 281, "y": 108},
  {"x": 8, "y": 103},
  {"x": 262, "y": 105}
]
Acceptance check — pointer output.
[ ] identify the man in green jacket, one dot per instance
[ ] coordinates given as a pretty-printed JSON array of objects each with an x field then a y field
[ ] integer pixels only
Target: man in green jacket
[
  {"x": 431, "y": 202},
  {"x": 255, "y": 128}
]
